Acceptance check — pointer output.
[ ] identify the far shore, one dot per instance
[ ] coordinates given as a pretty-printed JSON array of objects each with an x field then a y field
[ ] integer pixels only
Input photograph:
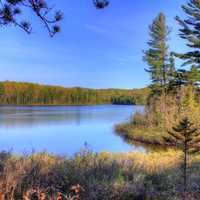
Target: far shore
[{"x": 48, "y": 105}]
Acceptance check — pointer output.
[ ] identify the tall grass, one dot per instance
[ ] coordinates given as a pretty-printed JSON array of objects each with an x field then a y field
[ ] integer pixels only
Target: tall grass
[{"x": 109, "y": 176}]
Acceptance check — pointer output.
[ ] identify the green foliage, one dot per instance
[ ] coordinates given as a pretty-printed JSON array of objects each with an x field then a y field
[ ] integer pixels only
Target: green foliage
[
  {"x": 129, "y": 100},
  {"x": 190, "y": 32},
  {"x": 185, "y": 137},
  {"x": 157, "y": 55},
  {"x": 17, "y": 93},
  {"x": 123, "y": 100},
  {"x": 1, "y": 89}
]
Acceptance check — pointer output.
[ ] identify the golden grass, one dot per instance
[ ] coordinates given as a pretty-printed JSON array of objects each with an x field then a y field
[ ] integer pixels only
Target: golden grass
[
  {"x": 130, "y": 170},
  {"x": 150, "y": 162}
]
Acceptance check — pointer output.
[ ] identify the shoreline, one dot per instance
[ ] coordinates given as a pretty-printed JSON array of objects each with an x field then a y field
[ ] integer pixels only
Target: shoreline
[{"x": 49, "y": 105}]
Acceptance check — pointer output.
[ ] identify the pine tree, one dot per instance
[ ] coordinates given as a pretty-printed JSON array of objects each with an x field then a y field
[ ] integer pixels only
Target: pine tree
[
  {"x": 157, "y": 56},
  {"x": 186, "y": 138},
  {"x": 190, "y": 31},
  {"x": 11, "y": 12}
]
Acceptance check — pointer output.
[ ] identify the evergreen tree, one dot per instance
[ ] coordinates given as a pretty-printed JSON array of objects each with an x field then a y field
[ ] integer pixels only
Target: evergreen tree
[
  {"x": 190, "y": 31},
  {"x": 157, "y": 55},
  {"x": 186, "y": 138}
]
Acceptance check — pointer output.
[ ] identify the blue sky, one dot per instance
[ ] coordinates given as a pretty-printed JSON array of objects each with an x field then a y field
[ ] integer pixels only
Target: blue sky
[{"x": 96, "y": 48}]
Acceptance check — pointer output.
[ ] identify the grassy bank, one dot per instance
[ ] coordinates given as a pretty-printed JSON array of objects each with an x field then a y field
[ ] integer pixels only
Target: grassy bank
[
  {"x": 132, "y": 134},
  {"x": 108, "y": 176},
  {"x": 139, "y": 130}
]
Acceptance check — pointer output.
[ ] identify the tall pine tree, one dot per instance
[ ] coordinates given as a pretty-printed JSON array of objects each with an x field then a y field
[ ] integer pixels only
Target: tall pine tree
[{"x": 157, "y": 56}]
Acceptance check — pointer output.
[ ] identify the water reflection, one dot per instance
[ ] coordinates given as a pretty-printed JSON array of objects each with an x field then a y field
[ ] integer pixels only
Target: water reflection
[{"x": 63, "y": 129}]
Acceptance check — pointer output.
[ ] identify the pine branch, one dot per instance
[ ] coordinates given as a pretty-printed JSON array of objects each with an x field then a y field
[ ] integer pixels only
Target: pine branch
[{"x": 11, "y": 9}]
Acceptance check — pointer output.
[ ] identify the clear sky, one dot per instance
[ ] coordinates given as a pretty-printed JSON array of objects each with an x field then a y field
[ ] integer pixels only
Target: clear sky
[{"x": 96, "y": 48}]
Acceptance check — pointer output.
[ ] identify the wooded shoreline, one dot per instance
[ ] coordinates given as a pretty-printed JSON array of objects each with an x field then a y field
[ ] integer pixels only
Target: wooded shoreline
[{"x": 31, "y": 94}]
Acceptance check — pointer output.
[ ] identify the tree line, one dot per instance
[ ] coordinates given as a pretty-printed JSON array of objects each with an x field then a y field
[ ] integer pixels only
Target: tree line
[{"x": 20, "y": 93}]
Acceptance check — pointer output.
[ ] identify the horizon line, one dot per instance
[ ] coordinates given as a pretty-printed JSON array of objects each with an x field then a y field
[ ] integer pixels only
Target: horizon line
[{"x": 71, "y": 87}]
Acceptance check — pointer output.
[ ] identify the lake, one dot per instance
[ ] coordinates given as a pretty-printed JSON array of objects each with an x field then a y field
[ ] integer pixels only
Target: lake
[{"x": 63, "y": 129}]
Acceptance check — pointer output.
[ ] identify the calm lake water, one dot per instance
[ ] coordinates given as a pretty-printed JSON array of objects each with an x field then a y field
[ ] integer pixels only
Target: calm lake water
[{"x": 63, "y": 129}]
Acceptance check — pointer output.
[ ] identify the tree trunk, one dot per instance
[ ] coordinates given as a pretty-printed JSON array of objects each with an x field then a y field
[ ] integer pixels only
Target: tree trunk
[{"x": 185, "y": 172}]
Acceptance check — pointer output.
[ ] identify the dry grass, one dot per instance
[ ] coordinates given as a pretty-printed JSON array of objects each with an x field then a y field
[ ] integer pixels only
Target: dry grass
[{"x": 109, "y": 176}]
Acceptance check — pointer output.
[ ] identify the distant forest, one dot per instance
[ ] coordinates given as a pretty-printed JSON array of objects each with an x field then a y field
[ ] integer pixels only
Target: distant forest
[{"x": 21, "y": 93}]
